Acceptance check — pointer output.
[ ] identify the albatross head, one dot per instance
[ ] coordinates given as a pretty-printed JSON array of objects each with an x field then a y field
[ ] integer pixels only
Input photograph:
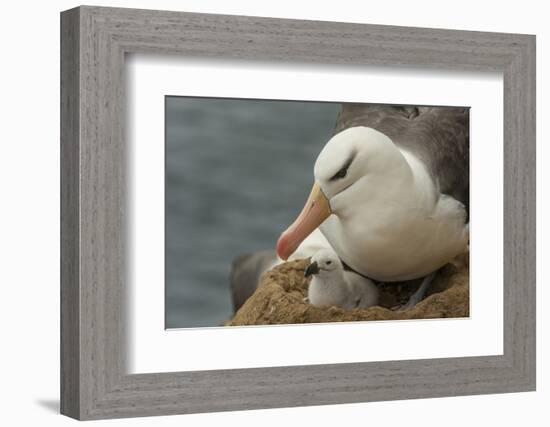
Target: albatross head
[{"x": 354, "y": 167}]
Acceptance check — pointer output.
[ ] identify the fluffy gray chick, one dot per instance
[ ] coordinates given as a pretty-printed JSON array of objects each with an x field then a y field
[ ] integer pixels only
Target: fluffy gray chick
[{"x": 332, "y": 285}]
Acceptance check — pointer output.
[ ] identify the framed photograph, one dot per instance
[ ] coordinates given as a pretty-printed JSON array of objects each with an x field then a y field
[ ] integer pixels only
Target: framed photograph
[{"x": 261, "y": 213}]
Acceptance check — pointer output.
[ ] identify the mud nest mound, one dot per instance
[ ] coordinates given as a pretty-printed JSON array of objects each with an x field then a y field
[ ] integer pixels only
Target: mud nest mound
[{"x": 279, "y": 299}]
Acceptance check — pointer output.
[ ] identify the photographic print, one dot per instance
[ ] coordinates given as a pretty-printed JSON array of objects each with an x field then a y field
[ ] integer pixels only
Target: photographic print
[{"x": 292, "y": 212}]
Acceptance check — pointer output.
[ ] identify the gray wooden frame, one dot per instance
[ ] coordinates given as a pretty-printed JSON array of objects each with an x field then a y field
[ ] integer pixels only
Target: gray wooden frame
[{"x": 94, "y": 382}]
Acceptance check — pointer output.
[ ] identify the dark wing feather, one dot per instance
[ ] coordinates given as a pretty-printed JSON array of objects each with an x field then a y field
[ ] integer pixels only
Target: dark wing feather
[
  {"x": 246, "y": 271},
  {"x": 439, "y": 136}
]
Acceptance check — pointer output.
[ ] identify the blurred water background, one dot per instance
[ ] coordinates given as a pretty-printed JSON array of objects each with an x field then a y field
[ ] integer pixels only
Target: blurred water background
[{"x": 237, "y": 173}]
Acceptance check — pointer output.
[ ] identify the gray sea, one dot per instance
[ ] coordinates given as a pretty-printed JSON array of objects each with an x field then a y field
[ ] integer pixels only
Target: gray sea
[{"x": 237, "y": 173}]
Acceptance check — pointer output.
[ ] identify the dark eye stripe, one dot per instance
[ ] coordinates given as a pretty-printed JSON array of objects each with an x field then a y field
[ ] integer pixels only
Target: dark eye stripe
[
  {"x": 340, "y": 174},
  {"x": 343, "y": 170}
]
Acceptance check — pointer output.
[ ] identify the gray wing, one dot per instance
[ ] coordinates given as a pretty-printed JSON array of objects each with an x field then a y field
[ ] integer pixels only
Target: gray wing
[
  {"x": 439, "y": 136},
  {"x": 246, "y": 271}
]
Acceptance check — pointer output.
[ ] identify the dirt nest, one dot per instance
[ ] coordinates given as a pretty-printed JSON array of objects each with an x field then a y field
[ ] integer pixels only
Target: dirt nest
[{"x": 279, "y": 299}]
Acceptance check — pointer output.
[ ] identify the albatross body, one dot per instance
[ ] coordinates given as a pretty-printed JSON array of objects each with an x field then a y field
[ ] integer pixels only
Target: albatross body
[{"x": 391, "y": 191}]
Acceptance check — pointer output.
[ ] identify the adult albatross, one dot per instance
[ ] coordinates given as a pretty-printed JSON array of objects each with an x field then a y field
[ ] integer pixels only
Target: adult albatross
[{"x": 391, "y": 192}]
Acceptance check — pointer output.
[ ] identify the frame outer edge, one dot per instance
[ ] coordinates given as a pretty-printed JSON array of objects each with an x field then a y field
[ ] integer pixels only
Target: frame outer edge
[
  {"x": 532, "y": 137},
  {"x": 527, "y": 80},
  {"x": 520, "y": 215},
  {"x": 70, "y": 387}
]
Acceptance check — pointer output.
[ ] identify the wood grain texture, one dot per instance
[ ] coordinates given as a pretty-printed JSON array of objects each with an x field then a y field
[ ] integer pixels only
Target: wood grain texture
[
  {"x": 70, "y": 221},
  {"x": 94, "y": 381}
]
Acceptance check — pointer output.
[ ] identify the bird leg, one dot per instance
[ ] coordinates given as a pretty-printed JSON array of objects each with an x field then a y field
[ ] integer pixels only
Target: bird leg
[{"x": 420, "y": 292}]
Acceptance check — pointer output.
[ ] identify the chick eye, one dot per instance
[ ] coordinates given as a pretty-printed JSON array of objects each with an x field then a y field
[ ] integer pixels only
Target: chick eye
[{"x": 329, "y": 262}]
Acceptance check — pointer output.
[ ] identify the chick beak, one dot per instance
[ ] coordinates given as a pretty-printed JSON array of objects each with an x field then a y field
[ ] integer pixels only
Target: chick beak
[{"x": 312, "y": 268}]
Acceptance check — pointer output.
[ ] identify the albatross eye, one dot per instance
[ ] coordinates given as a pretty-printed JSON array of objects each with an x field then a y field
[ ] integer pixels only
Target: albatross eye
[
  {"x": 329, "y": 262},
  {"x": 340, "y": 174},
  {"x": 344, "y": 170}
]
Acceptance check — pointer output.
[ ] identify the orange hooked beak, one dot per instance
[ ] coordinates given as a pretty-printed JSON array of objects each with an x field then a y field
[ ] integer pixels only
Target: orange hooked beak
[{"x": 315, "y": 211}]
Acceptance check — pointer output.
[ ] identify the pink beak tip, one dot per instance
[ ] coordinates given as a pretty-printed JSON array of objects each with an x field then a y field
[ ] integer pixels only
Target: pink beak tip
[{"x": 281, "y": 247}]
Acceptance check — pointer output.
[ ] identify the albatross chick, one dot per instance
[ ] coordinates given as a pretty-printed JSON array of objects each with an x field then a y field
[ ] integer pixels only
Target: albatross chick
[{"x": 332, "y": 285}]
